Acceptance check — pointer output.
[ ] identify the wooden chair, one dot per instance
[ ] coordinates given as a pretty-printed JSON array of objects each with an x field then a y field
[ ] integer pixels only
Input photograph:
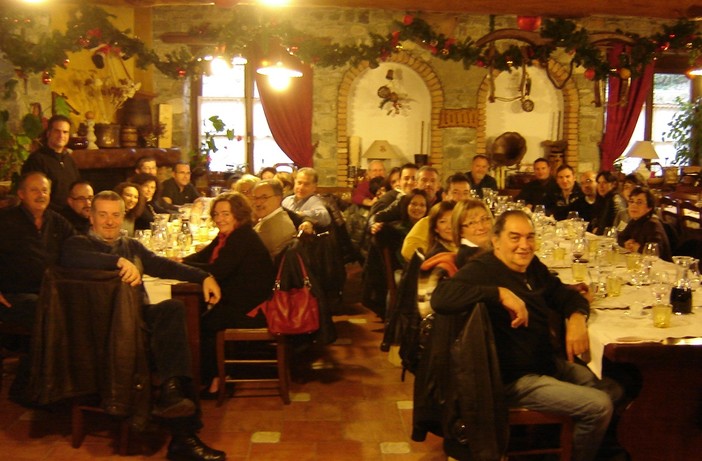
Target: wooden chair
[
  {"x": 670, "y": 210},
  {"x": 281, "y": 361},
  {"x": 9, "y": 329},
  {"x": 527, "y": 417},
  {"x": 78, "y": 428},
  {"x": 690, "y": 220}
]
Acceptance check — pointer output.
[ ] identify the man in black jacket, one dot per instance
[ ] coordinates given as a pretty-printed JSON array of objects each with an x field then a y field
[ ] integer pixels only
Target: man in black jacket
[
  {"x": 77, "y": 210},
  {"x": 521, "y": 295},
  {"x": 105, "y": 249}
]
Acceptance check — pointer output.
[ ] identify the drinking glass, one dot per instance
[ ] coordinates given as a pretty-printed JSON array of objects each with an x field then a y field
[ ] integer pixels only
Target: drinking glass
[
  {"x": 611, "y": 233},
  {"x": 661, "y": 284},
  {"x": 579, "y": 248},
  {"x": 539, "y": 209},
  {"x": 651, "y": 251},
  {"x": 573, "y": 215}
]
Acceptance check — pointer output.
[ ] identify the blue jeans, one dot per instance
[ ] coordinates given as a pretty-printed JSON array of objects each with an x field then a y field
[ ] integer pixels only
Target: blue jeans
[{"x": 572, "y": 391}]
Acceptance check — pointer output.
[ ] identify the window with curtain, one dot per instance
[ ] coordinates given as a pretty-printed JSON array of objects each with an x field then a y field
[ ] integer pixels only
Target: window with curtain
[
  {"x": 224, "y": 94},
  {"x": 666, "y": 89}
]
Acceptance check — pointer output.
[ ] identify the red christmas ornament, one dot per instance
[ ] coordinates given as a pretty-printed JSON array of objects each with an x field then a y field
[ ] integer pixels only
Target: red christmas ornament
[
  {"x": 97, "y": 32},
  {"x": 529, "y": 23},
  {"x": 182, "y": 73},
  {"x": 589, "y": 74},
  {"x": 480, "y": 63},
  {"x": 407, "y": 19},
  {"x": 664, "y": 46},
  {"x": 45, "y": 78}
]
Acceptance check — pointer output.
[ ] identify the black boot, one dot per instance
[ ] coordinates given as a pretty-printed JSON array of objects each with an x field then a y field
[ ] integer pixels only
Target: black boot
[
  {"x": 172, "y": 403},
  {"x": 190, "y": 448}
]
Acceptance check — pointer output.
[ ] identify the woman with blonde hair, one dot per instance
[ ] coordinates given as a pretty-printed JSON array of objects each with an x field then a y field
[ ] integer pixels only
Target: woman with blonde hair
[{"x": 471, "y": 222}]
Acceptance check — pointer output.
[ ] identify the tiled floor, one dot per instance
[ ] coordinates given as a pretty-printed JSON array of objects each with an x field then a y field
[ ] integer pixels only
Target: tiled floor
[{"x": 351, "y": 406}]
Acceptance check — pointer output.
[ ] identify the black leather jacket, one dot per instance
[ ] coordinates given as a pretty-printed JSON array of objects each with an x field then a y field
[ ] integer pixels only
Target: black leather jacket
[{"x": 90, "y": 338}]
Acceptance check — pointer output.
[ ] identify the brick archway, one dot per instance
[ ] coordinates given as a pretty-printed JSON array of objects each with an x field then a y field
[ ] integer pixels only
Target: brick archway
[
  {"x": 571, "y": 108},
  {"x": 436, "y": 93}
]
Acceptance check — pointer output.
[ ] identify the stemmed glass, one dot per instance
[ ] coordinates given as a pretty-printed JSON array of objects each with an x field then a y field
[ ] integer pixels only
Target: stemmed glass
[
  {"x": 661, "y": 284},
  {"x": 579, "y": 247},
  {"x": 651, "y": 251}
]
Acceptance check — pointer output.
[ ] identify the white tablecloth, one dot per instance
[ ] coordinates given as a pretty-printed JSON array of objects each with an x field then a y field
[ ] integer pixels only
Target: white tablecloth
[{"x": 622, "y": 319}]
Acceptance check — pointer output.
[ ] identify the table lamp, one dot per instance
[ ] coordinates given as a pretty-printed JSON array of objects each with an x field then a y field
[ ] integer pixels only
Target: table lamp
[{"x": 645, "y": 151}]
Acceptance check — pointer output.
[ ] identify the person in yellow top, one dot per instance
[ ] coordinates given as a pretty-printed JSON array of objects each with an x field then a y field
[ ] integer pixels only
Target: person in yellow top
[{"x": 418, "y": 238}]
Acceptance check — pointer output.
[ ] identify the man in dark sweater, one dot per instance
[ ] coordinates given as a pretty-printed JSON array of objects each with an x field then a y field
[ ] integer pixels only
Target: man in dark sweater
[
  {"x": 478, "y": 175},
  {"x": 31, "y": 236},
  {"x": 539, "y": 189},
  {"x": 105, "y": 249},
  {"x": 521, "y": 295},
  {"x": 54, "y": 159},
  {"x": 178, "y": 190},
  {"x": 77, "y": 210}
]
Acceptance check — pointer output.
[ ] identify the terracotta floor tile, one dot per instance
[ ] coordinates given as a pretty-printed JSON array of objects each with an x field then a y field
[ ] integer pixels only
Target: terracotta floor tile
[{"x": 352, "y": 409}]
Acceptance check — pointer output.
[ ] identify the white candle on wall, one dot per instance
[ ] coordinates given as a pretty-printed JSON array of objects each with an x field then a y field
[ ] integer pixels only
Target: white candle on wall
[{"x": 354, "y": 150}]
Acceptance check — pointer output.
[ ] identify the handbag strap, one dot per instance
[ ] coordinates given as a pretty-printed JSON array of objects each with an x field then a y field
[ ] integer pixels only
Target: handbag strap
[{"x": 305, "y": 277}]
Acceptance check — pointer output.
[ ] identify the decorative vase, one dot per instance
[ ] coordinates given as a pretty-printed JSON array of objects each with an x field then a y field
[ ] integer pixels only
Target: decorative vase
[{"x": 128, "y": 136}]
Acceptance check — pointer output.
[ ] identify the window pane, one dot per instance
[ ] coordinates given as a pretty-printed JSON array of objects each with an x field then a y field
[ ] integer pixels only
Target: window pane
[
  {"x": 667, "y": 88},
  {"x": 229, "y": 82}
]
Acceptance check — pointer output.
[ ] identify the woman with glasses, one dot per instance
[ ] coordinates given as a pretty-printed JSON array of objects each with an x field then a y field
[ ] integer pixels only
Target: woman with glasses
[
  {"x": 631, "y": 181},
  {"x": 472, "y": 225},
  {"x": 644, "y": 225}
]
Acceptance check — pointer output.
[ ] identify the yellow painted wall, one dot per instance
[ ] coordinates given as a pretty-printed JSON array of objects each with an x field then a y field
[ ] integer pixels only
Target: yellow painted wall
[{"x": 96, "y": 97}]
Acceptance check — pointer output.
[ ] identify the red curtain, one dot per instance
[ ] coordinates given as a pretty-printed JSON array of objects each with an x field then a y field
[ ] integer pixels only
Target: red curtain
[
  {"x": 289, "y": 115},
  {"x": 622, "y": 118}
]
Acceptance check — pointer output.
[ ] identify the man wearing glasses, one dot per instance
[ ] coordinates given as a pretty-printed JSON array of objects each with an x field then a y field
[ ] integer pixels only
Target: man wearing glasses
[
  {"x": 77, "y": 209},
  {"x": 274, "y": 226}
]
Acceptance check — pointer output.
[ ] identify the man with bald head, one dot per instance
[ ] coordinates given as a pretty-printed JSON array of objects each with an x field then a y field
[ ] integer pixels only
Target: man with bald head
[
  {"x": 77, "y": 210},
  {"x": 362, "y": 195}
]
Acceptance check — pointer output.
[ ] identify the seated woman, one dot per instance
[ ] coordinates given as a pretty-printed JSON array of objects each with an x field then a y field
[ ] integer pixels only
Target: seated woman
[
  {"x": 440, "y": 230},
  {"x": 150, "y": 189},
  {"x": 608, "y": 205},
  {"x": 246, "y": 184},
  {"x": 411, "y": 208},
  {"x": 472, "y": 225},
  {"x": 243, "y": 268},
  {"x": 644, "y": 225},
  {"x": 631, "y": 181},
  {"x": 133, "y": 204}
]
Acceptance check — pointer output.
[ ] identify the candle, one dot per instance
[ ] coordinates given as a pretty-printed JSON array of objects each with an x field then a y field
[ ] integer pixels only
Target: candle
[{"x": 354, "y": 150}]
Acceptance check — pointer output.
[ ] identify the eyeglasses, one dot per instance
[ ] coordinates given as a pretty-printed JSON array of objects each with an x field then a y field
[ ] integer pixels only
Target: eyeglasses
[
  {"x": 258, "y": 198},
  {"x": 484, "y": 220},
  {"x": 83, "y": 199}
]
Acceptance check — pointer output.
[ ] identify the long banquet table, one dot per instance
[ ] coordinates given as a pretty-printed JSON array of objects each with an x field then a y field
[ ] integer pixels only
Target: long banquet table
[{"x": 664, "y": 422}]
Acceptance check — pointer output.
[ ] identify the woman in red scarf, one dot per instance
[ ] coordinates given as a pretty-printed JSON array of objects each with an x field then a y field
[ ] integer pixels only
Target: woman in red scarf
[{"x": 243, "y": 268}]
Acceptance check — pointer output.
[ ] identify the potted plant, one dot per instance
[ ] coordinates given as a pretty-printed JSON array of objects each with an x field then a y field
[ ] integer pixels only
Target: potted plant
[
  {"x": 15, "y": 147},
  {"x": 686, "y": 132},
  {"x": 200, "y": 159}
]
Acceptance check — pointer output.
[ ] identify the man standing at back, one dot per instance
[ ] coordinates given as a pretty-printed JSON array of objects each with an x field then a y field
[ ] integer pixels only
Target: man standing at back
[
  {"x": 539, "y": 189},
  {"x": 54, "y": 159},
  {"x": 305, "y": 203},
  {"x": 178, "y": 190},
  {"x": 478, "y": 175},
  {"x": 273, "y": 224}
]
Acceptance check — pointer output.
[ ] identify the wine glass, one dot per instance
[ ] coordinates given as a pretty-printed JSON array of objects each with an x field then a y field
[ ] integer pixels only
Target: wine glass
[
  {"x": 579, "y": 247},
  {"x": 611, "y": 233},
  {"x": 539, "y": 210},
  {"x": 573, "y": 215},
  {"x": 651, "y": 251}
]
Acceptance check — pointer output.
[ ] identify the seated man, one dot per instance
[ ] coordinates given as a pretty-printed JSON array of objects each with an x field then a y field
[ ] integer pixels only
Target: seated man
[
  {"x": 178, "y": 190},
  {"x": 77, "y": 210},
  {"x": 362, "y": 195},
  {"x": 31, "y": 236},
  {"x": 105, "y": 249},
  {"x": 538, "y": 190},
  {"x": 273, "y": 224},
  {"x": 520, "y": 294},
  {"x": 305, "y": 203},
  {"x": 561, "y": 200},
  {"x": 146, "y": 165},
  {"x": 478, "y": 175}
]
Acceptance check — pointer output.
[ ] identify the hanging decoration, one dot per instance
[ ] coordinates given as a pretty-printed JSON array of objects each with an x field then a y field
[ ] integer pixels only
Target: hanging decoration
[{"x": 91, "y": 28}]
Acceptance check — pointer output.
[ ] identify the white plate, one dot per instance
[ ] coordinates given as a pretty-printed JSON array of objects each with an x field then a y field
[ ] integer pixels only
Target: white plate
[{"x": 635, "y": 340}]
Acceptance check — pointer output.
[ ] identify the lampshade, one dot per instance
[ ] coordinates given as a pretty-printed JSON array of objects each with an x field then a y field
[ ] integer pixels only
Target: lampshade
[
  {"x": 642, "y": 149},
  {"x": 381, "y": 150},
  {"x": 280, "y": 63}
]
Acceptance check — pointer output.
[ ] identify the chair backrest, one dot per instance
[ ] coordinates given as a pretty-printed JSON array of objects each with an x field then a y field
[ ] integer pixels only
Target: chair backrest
[
  {"x": 690, "y": 216},
  {"x": 670, "y": 210}
]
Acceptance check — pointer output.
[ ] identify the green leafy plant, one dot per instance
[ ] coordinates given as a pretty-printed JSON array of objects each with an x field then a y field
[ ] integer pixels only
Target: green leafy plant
[
  {"x": 686, "y": 132},
  {"x": 16, "y": 147},
  {"x": 200, "y": 159}
]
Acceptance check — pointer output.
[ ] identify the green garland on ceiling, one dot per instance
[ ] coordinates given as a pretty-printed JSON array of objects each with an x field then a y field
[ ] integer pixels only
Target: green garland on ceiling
[{"x": 90, "y": 27}]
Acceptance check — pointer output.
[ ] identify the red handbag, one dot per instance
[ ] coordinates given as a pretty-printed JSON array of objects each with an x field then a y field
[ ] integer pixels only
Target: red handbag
[{"x": 293, "y": 311}]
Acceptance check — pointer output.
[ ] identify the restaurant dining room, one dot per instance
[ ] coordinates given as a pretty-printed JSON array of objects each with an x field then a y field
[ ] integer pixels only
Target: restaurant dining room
[{"x": 350, "y": 230}]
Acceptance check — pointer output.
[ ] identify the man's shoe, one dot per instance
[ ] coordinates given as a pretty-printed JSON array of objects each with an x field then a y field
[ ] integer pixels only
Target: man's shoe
[
  {"x": 191, "y": 448},
  {"x": 172, "y": 402}
]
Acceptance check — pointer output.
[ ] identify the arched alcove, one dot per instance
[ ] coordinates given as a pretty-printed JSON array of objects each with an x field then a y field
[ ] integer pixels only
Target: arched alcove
[
  {"x": 569, "y": 118},
  {"x": 432, "y": 138}
]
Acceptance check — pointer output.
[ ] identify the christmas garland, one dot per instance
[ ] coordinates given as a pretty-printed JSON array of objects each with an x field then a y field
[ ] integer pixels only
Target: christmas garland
[{"x": 91, "y": 28}]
